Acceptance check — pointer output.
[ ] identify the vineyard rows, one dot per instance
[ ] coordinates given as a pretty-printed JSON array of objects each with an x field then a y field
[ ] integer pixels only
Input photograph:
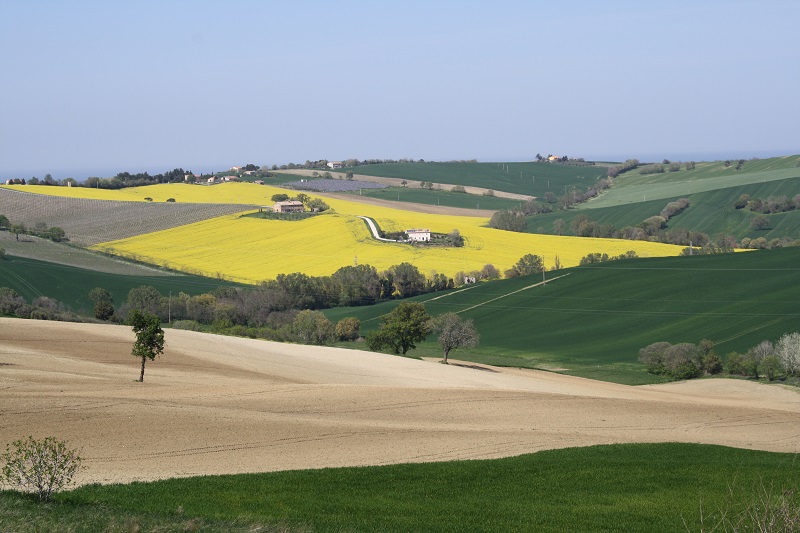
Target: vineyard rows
[{"x": 87, "y": 222}]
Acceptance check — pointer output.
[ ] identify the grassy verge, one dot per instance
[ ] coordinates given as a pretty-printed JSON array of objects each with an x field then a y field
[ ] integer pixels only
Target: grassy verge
[{"x": 631, "y": 487}]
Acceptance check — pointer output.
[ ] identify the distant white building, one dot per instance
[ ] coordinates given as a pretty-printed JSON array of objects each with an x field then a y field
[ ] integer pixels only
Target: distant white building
[
  {"x": 418, "y": 235},
  {"x": 335, "y": 164}
]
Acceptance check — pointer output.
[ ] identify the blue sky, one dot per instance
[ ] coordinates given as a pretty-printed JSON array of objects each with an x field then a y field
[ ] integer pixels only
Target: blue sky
[{"x": 94, "y": 88}]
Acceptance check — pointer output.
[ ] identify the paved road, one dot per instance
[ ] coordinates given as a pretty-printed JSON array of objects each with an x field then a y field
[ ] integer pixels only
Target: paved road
[{"x": 374, "y": 229}]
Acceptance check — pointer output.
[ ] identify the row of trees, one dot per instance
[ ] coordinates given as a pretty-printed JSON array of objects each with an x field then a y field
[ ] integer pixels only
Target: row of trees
[
  {"x": 40, "y": 229},
  {"x": 409, "y": 323},
  {"x": 773, "y": 204},
  {"x": 686, "y": 360},
  {"x": 514, "y": 219}
]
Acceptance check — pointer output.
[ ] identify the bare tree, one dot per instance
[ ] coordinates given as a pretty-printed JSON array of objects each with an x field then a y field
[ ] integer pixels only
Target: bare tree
[{"x": 455, "y": 333}]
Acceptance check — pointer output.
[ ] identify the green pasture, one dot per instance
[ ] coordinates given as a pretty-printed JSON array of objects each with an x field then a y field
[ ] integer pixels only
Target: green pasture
[
  {"x": 70, "y": 285},
  {"x": 631, "y": 187},
  {"x": 624, "y": 487},
  {"x": 710, "y": 212},
  {"x": 418, "y": 195},
  {"x": 532, "y": 179},
  {"x": 593, "y": 321},
  {"x": 711, "y": 169}
]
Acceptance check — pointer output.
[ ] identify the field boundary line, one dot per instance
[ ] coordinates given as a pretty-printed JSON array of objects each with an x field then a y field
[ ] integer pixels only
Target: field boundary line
[{"x": 514, "y": 292}]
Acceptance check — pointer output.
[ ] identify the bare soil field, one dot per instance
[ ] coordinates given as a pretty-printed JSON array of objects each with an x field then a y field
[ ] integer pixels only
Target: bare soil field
[
  {"x": 223, "y": 405},
  {"x": 88, "y": 222}
]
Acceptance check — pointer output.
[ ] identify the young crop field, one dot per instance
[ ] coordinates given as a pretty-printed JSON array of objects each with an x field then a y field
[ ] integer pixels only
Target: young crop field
[
  {"x": 251, "y": 250},
  {"x": 70, "y": 285},
  {"x": 624, "y": 487},
  {"x": 593, "y": 321},
  {"x": 631, "y": 187},
  {"x": 710, "y": 212},
  {"x": 531, "y": 179},
  {"x": 439, "y": 197}
]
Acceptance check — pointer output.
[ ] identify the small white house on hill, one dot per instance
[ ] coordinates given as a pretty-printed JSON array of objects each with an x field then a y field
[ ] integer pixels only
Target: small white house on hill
[{"x": 418, "y": 235}]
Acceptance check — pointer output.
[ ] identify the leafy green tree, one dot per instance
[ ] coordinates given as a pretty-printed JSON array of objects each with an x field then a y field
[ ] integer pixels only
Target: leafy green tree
[
  {"x": 529, "y": 264},
  {"x": 312, "y": 327},
  {"x": 280, "y": 197},
  {"x": 356, "y": 285},
  {"x": 304, "y": 198},
  {"x": 4, "y": 222},
  {"x": 41, "y": 466},
  {"x": 16, "y": 229},
  {"x": 405, "y": 325},
  {"x": 772, "y": 367},
  {"x": 318, "y": 204},
  {"x": 145, "y": 298},
  {"x": 454, "y": 332},
  {"x": 103, "y": 303},
  {"x": 407, "y": 279},
  {"x": 508, "y": 221},
  {"x": 349, "y": 174},
  {"x": 149, "y": 337}
]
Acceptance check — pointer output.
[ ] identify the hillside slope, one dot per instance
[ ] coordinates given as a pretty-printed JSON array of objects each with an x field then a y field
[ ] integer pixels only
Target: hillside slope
[
  {"x": 221, "y": 405},
  {"x": 593, "y": 321}
]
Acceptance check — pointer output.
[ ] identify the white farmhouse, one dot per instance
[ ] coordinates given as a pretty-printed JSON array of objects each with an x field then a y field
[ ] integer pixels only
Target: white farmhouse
[{"x": 418, "y": 235}]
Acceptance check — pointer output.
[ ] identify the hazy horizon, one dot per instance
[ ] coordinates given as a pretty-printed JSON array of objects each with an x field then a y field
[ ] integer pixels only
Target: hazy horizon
[{"x": 97, "y": 88}]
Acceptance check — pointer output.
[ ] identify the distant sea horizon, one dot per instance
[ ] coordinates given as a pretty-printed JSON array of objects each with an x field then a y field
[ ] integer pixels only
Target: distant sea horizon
[{"x": 81, "y": 174}]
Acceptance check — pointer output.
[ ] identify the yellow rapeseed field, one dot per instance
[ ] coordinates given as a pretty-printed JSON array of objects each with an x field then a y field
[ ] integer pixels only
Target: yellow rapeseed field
[{"x": 251, "y": 250}]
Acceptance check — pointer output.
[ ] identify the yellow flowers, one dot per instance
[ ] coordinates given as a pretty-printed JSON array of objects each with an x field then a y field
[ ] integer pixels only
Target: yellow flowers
[{"x": 251, "y": 250}]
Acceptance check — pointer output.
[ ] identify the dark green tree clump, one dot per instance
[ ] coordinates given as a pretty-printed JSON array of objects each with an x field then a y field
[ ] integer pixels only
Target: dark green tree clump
[{"x": 401, "y": 329}]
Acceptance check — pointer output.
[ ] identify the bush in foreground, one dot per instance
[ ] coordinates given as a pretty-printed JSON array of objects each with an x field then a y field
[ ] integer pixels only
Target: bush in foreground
[{"x": 39, "y": 466}]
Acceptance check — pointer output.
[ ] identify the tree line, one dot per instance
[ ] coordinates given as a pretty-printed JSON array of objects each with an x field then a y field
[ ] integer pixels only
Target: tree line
[
  {"x": 40, "y": 229},
  {"x": 686, "y": 360}
]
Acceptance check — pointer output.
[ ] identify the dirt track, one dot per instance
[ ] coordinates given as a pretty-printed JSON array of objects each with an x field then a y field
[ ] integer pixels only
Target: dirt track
[{"x": 216, "y": 405}]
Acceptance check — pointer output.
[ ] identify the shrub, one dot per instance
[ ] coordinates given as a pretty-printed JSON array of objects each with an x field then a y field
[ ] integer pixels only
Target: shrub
[
  {"x": 347, "y": 329},
  {"x": 2, "y": 253},
  {"x": 41, "y": 466},
  {"x": 170, "y": 199},
  {"x": 458, "y": 188},
  {"x": 682, "y": 361},
  {"x": 652, "y": 356},
  {"x": 191, "y": 325},
  {"x": 772, "y": 367}
]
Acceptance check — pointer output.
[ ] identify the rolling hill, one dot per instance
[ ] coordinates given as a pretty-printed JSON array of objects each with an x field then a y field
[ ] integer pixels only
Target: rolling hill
[{"x": 593, "y": 321}]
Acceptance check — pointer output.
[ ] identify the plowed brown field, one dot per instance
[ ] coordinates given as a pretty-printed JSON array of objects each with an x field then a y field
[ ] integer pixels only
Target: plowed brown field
[{"x": 219, "y": 405}]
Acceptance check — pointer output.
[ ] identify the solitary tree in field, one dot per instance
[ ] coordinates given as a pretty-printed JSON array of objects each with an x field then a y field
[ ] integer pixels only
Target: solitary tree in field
[
  {"x": 149, "y": 337},
  {"x": 16, "y": 229},
  {"x": 454, "y": 333},
  {"x": 405, "y": 325}
]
